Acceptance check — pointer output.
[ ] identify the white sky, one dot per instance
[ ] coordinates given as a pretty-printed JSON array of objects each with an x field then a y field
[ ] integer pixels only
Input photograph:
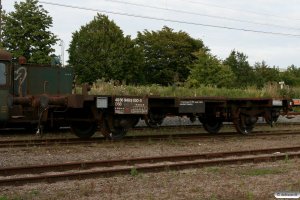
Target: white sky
[{"x": 276, "y": 50}]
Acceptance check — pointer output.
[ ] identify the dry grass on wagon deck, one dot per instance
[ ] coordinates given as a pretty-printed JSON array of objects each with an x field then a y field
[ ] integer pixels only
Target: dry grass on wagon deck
[{"x": 270, "y": 90}]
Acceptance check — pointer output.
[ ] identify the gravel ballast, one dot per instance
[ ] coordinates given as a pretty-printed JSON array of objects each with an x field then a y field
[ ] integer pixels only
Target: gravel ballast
[{"x": 251, "y": 181}]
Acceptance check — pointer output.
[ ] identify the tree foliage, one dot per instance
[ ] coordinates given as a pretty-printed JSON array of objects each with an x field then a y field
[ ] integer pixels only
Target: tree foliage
[
  {"x": 100, "y": 50},
  {"x": 265, "y": 74},
  {"x": 167, "y": 54},
  {"x": 241, "y": 68},
  {"x": 207, "y": 70},
  {"x": 26, "y": 32},
  {"x": 291, "y": 76}
]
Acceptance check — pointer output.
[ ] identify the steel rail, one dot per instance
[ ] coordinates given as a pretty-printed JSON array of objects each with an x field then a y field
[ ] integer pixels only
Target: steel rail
[
  {"x": 12, "y": 131},
  {"x": 226, "y": 124},
  {"x": 182, "y": 136},
  {"x": 156, "y": 164}
]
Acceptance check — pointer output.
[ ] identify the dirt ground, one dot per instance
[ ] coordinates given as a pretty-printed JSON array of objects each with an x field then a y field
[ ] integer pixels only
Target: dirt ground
[{"x": 251, "y": 181}]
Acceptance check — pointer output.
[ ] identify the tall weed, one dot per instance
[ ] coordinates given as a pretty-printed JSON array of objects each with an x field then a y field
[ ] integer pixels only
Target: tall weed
[{"x": 269, "y": 91}]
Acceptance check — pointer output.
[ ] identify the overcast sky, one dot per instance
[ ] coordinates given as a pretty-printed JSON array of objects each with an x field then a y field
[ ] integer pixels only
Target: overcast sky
[{"x": 274, "y": 16}]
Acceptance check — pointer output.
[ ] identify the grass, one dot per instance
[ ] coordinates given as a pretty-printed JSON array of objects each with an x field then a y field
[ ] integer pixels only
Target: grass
[
  {"x": 30, "y": 195},
  {"x": 262, "y": 171},
  {"x": 270, "y": 90},
  {"x": 134, "y": 172},
  {"x": 250, "y": 195},
  {"x": 213, "y": 197},
  {"x": 214, "y": 170},
  {"x": 286, "y": 159}
]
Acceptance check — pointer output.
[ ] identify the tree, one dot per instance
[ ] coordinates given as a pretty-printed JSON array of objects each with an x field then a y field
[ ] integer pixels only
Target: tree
[
  {"x": 100, "y": 50},
  {"x": 167, "y": 54},
  {"x": 291, "y": 76},
  {"x": 265, "y": 74},
  {"x": 26, "y": 32},
  {"x": 209, "y": 71},
  {"x": 239, "y": 65}
]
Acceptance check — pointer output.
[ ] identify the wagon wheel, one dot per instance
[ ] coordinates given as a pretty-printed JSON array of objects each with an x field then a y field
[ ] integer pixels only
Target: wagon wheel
[
  {"x": 53, "y": 128},
  {"x": 271, "y": 117},
  {"x": 30, "y": 127},
  {"x": 245, "y": 124},
  {"x": 84, "y": 129},
  {"x": 212, "y": 126},
  {"x": 113, "y": 132},
  {"x": 118, "y": 133},
  {"x": 135, "y": 122},
  {"x": 154, "y": 120},
  {"x": 117, "y": 127}
]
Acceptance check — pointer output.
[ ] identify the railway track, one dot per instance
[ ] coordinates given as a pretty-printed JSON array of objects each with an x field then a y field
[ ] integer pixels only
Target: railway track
[
  {"x": 20, "y": 131},
  {"x": 181, "y": 136},
  {"x": 228, "y": 124},
  {"x": 108, "y": 168}
]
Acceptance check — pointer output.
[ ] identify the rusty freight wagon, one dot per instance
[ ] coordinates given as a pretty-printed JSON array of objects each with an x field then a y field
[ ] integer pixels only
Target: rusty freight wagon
[
  {"x": 114, "y": 115},
  {"x": 32, "y": 95}
]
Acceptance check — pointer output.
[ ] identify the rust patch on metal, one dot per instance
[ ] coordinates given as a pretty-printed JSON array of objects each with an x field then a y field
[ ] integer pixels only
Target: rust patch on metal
[
  {"x": 75, "y": 101},
  {"x": 5, "y": 55}
]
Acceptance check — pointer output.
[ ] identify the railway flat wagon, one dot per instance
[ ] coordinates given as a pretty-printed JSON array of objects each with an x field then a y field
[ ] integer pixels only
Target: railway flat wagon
[{"x": 114, "y": 115}]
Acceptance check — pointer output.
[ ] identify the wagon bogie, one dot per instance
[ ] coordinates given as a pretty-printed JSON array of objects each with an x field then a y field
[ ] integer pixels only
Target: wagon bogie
[{"x": 245, "y": 112}]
